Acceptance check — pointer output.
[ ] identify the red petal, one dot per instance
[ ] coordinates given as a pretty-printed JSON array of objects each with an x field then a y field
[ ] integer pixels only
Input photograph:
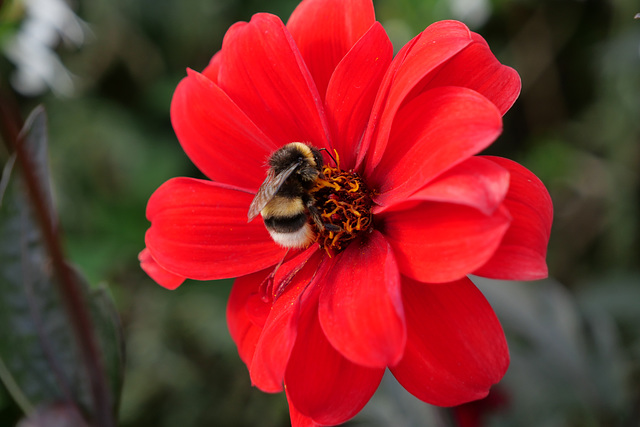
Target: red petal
[
  {"x": 442, "y": 242},
  {"x": 162, "y": 277},
  {"x": 325, "y": 30},
  {"x": 297, "y": 419},
  {"x": 430, "y": 49},
  {"x": 244, "y": 329},
  {"x": 456, "y": 349},
  {"x": 199, "y": 230},
  {"x": 475, "y": 67},
  {"x": 352, "y": 90},
  {"x": 281, "y": 327},
  {"x": 523, "y": 250},
  {"x": 264, "y": 73},
  {"x": 247, "y": 313},
  {"x": 211, "y": 71},
  {"x": 360, "y": 307},
  {"x": 435, "y": 131},
  {"x": 216, "y": 135},
  {"x": 476, "y": 182},
  {"x": 321, "y": 383}
]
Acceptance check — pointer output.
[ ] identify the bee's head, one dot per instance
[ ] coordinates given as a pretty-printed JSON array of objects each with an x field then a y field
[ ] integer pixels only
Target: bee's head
[
  {"x": 314, "y": 169},
  {"x": 307, "y": 158},
  {"x": 309, "y": 169},
  {"x": 318, "y": 163}
]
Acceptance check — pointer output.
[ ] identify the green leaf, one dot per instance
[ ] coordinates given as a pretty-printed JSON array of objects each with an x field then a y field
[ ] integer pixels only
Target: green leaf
[
  {"x": 110, "y": 338},
  {"x": 40, "y": 360}
]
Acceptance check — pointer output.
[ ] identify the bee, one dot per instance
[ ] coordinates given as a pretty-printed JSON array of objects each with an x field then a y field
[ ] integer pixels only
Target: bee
[{"x": 284, "y": 198}]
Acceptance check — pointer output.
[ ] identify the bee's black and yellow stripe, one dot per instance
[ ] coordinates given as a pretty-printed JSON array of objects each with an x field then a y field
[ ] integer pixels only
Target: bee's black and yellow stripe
[
  {"x": 284, "y": 200},
  {"x": 286, "y": 218},
  {"x": 284, "y": 215}
]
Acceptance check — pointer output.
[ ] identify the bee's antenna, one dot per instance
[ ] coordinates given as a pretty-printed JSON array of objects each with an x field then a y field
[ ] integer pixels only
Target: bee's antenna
[{"x": 332, "y": 158}]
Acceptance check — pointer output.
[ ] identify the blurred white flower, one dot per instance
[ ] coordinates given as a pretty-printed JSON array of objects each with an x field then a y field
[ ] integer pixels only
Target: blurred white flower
[
  {"x": 473, "y": 12},
  {"x": 31, "y": 49}
]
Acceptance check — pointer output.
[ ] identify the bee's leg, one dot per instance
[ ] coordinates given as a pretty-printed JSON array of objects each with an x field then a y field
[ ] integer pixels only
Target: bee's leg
[
  {"x": 317, "y": 219},
  {"x": 266, "y": 287},
  {"x": 332, "y": 227},
  {"x": 315, "y": 216}
]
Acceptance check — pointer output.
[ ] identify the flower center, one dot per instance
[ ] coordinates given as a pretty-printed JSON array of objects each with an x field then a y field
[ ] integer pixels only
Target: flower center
[{"x": 344, "y": 204}]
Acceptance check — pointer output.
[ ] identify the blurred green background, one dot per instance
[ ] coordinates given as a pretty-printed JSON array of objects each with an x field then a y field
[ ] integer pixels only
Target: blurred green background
[{"x": 574, "y": 339}]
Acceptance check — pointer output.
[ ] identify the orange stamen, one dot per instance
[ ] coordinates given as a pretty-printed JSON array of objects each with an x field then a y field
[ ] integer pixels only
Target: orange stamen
[{"x": 343, "y": 201}]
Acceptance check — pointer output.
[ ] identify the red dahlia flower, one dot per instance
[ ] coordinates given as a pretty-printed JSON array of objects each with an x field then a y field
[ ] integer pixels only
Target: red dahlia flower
[{"x": 390, "y": 291}]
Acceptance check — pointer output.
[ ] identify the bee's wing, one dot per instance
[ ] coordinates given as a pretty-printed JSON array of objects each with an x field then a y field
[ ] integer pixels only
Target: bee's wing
[{"x": 268, "y": 189}]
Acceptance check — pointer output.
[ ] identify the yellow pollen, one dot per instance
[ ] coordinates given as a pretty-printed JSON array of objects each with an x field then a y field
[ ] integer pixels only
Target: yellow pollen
[{"x": 344, "y": 203}]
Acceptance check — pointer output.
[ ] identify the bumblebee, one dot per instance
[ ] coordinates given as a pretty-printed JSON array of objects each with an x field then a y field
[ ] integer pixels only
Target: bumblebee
[{"x": 284, "y": 198}]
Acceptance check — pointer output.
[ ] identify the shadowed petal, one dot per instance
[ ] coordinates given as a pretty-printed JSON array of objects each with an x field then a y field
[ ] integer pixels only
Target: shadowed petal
[
  {"x": 434, "y": 132},
  {"x": 360, "y": 307},
  {"x": 441, "y": 242},
  {"x": 325, "y": 30},
  {"x": 523, "y": 251},
  {"x": 215, "y": 133},
  {"x": 199, "y": 230},
  {"x": 320, "y": 382},
  {"x": 162, "y": 277},
  {"x": 477, "y": 182},
  {"x": 456, "y": 349},
  {"x": 213, "y": 68},
  {"x": 263, "y": 72},
  {"x": 243, "y": 320},
  {"x": 281, "y": 327},
  {"x": 297, "y": 419},
  {"x": 352, "y": 90}
]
